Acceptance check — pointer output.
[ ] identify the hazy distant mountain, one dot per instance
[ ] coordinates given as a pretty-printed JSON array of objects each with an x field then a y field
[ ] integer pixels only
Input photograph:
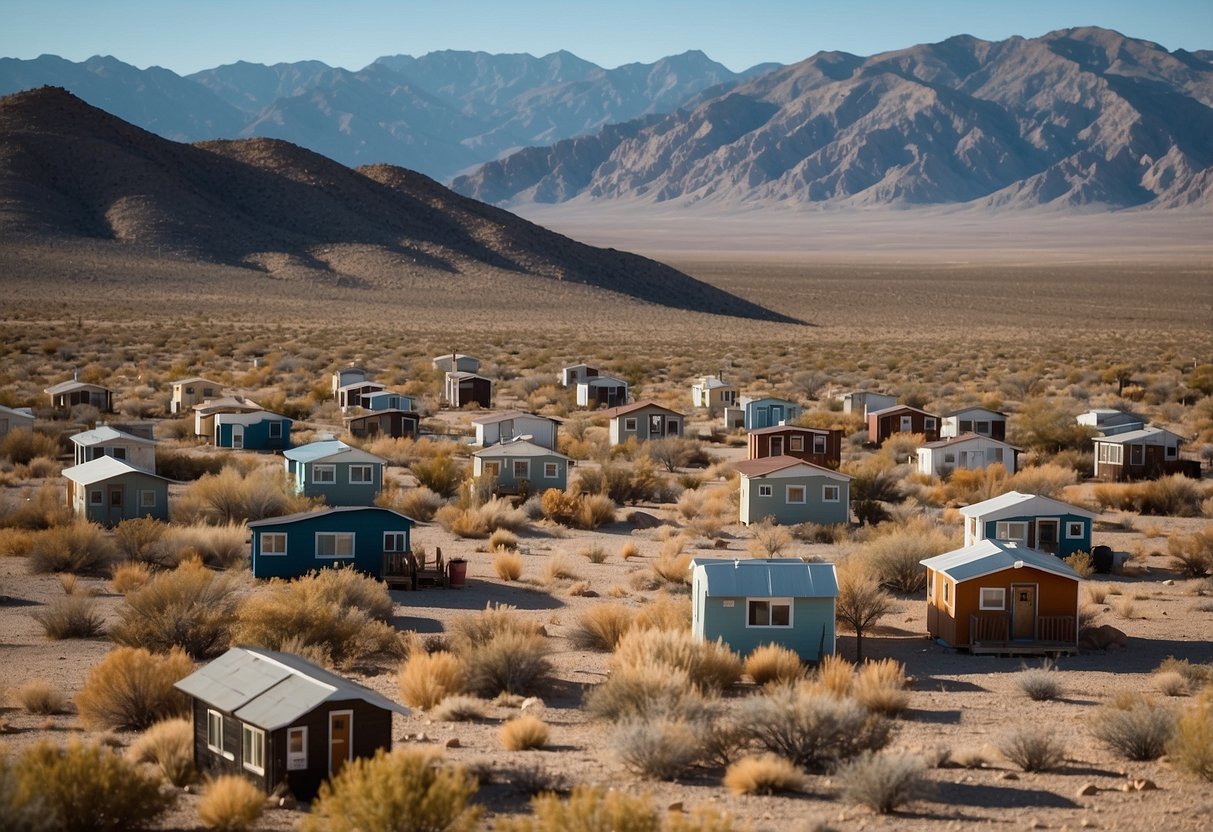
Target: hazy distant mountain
[
  {"x": 251, "y": 87},
  {"x": 1077, "y": 117},
  {"x": 69, "y": 171}
]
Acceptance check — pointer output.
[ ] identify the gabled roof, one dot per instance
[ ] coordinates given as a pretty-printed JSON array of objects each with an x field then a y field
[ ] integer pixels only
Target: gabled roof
[
  {"x": 1015, "y": 504},
  {"x": 287, "y": 519},
  {"x": 968, "y": 437},
  {"x": 745, "y": 400},
  {"x": 354, "y": 385},
  {"x": 19, "y": 412},
  {"x": 459, "y": 375},
  {"x": 257, "y": 415},
  {"x": 625, "y": 409},
  {"x": 1145, "y": 434},
  {"x": 770, "y": 464},
  {"x": 236, "y": 403},
  {"x": 785, "y": 429},
  {"x": 518, "y": 447},
  {"x": 375, "y": 414},
  {"x": 894, "y": 408},
  {"x": 989, "y": 556},
  {"x": 270, "y": 689},
  {"x": 195, "y": 380},
  {"x": 510, "y": 415},
  {"x": 711, "y": 383},
  {"x": 602, "y": 381},
  {"x": 330, "y": 450},
  {"x": 974, "y": 409},
  {"x": 104, "y": 433},
  {"x": 73, "y": 384},
  {"x": 105, "y": 468},
  {"x": 767, "y": 578}
]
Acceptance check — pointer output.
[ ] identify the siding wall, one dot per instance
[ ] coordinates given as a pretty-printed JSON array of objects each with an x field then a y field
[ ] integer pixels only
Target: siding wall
[
  {"x": 812, "y": 626},
  {"x": 300, "y": 558},
  {"x": 754, "y": 507}
]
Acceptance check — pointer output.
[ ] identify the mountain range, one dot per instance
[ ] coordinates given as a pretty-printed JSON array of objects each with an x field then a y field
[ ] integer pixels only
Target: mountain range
[{"x": 70, "y": 172}]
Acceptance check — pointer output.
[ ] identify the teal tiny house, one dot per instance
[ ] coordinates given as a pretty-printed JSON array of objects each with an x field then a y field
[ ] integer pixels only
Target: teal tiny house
[
  {"x": 331, "y": 469},
  {"x": 107, "y": 490},
  {"x": 258, "y": 431},
  {"x": 522, "y": 467},
  {"x": 752, "y": 602},
  {"x": 791, "y": 491},
  {"x": 767, "y": 411},
  {"x": 365, "y": 537},
  {"x": 1032, "y": 521}
]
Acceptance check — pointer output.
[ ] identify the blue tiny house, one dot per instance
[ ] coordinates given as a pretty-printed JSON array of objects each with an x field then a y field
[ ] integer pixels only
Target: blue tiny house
[
  {"x": 767, "y": 411},
  {"x": 257, "y": 431},
  {"x": 388, "y": 400},
  {"x": 342, "y": 475},
  {"x": 1031, "y": 521},
  {"x": 365, "y": 537},
  {"x": 107, "y": 490},
  {"x": 522, "y": 467},
  {"x": 757, "y": 601},
  {"x": 791, "y": 491}
]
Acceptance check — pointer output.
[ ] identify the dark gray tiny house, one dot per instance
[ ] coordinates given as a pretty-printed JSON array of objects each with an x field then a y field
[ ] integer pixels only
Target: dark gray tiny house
[{"x": 277, "y": 719}]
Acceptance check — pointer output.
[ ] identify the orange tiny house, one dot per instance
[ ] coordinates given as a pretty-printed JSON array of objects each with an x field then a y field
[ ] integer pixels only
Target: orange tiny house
[{"x": 999, "y": 597}]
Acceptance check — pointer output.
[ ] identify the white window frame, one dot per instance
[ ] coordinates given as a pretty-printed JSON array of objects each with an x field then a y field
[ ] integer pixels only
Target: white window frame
[
  {"x": 252, "y": 748},
  {"x": 766, "y": 490},
  {"x": 928, "y": 423},
  {"x": 521, "y": 469},
  {"x": 819, "y": 443},
  {"x": 629, "y": 424},
  {"x": 551, "y": 470},
  {"x": 275, "y": 429},
  {"x": 947, "y": 593},
  {"x": 989, "y": 602},
  {"x": 1111, "y": 453},
  {"x": 827, "y": 489},
  {"x": 1002, "y": 531},
  {"x": 296, "y": 760},
  {"x": 804, "y": 495},
  {"x": 96, "y": 497},
  {"x": 1171, "y": 452},
  {"x": 982, "y": 428},
  {"x": 366, "y": 470},
  {"x": 214, "y": 733},
  {"x": 338, "y": 538},
  {"x": 1071, "y": 534},
  {"x": 796, "y": 443},
  {"x": 267, "y": 541},
  {"x": 324, "y": 474},
  {"x": 392, "y": 539},
  {"x": 771, "y": 604},
  {"x": 147, "y": 498}
]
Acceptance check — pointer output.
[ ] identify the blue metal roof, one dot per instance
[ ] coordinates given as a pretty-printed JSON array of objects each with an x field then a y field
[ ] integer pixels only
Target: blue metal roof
[{"x": 767, "y": 577}]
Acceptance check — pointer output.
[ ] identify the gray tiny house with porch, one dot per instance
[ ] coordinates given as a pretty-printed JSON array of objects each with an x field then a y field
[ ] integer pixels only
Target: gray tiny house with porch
[{"x": 757, "y": 601}]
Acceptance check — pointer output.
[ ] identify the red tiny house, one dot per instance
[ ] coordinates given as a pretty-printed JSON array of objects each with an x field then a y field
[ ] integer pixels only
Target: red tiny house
[
  {"x": 901, "y": 418},
  {"x": 814, "y": 445}
]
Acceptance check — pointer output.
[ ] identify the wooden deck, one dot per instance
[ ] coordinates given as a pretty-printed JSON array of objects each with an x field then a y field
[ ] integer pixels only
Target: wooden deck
[
  {"x": 405, "y": 570},
  {"x": 1023, "y": 648},
  {"x": 1055, "y": 636}
]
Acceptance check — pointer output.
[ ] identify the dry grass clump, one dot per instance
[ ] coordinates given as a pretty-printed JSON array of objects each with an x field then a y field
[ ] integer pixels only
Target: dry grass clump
[
  {"x": 883, "y": 782},
  {"x": 230, "y": 803},
  {"x": 588, "y": 809},
  {"x": 191, "y": 607},
  {"x": 479, "y": 628},
  {"x": 1191, "y": 746},
  {"x": 1139, "y": 731},
  {"x": 1033, "y": 748},
  {"x": 1040, "y": 684},
  {"x": 132, "y": 688},
  {"x": 880, "y": 687},
  {"x": 672, "y": 565},
  {"x": 814, "y": 730},
  {"x": 406, "y": 789},
  {"x": 234, "y": 497},
  {"x": 81, "y": 548},
  {"x": 426, "y": 679},
  {"x": 766, "y": 774},
  {"x": 1081, "y": 563},
  {"x": 602, "y": 626},
  {"x": 768, "y": 539},
  {"x": 503, "y": 539},
  {"x": 628, "y": 551},
  {"x": 510, "y": 662},
  {"x": 892, "y": 555},
  {"x": 577, "y": 509},
  {"x": 559, "y": 567},
  {"x": 84, "y": 787},
  {"x": 41, "y": 509},
  {"x": 70, "y": 616},
  {"x": 1170, "y": 496},
  {"x": 665, "y": 612},
  {"x": 138, "y": 539},
  {"x": 593, "y": 552},
  {"x": 169, "y": 745},
  {"x": 1171, "y": 683},
  {"x": 458, "y": 708},
  {"x": 834, "y": 675},
  {"x": 479, "y": 521},
  {"x": 220, "y": 546},
  {"x": 658, "y": 747},
  {"x": 38, "y": 697},
  {"x": 710, "y": 665},
  {"x": 523, "y": 733},
  {"x": 441, "y": 474},
  {"x": 507, "y": 565},
  {"x": 639, "y": 691},
  {"x": 1194, "y": 676},
  {"x": 1192, "y": 555},
  {"x": 1047, "y": 480},
  {"x": 1097, "y": 593},
  {"x": 774, "y": 663},
  {"x": 418, "y": 503},
  {"x": 1125, "y": 608},
  {"x": 21, "y": 447},
  {"x": 129, "y": 576}
]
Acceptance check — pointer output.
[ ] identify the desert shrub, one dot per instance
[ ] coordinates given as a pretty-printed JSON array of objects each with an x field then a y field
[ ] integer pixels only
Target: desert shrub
[
  {"x": 503, "y": 539},
  {"x": 232, "y": 497},
  {"x": 1047, "y": 480},
  {"x": 587, "y": 809},
  {"x": 21, "y": 447},
  {"x": 458, "y": 708},
  {"x": 70, "y": 616},
  {"x": 129, "y": 576},
  {"x": 474, "y": 629},
  {"x": 883, "y": 781},
  {"x": 1171, "y": 683},
  {"x": 418, "y": 503},
  {"x": 138, "y": 539},
  {"x": 1170, "y": 496},
  {"x": 428, "y": 678},
  {"x": 88, "y": 788},
  {"x": 407, "y": 790},
  {"x": 1046, "y": 427},
  {"x": 767, "y": 774},
  {"x": 665, "y": 612},
  {"x": 880, "y": 687},
  {"x": 641, "y": 690},
  {"x": 710, "y": 665},
  {"x": 1081, "y": 563},
  {"x": 132, "y": 688},
  {"x": 230, "y": 803},
  {"x": 593, "y": 552},
  {"x": 41, "y": 509},
  {"x": 480, "y": 521},
  {"x": 510, "y": 662},
  {"x": 1138, "y": 732},
  {"x": 893, "y": 555},
  {"x": 672, "y": 567},
  {"x": 559, "y": 567},
  {"x": 168, "y": 745},
  {"x": 594, "y": 510},
  {"x": 191, "y": 607},
  {"x": 507, "y": 565},
  {"x": 813, "y": 730},
  {"x": 80, "y": 548},
  {"x": 1196, "y": 675},
  {"x": 186, "y": 467},
  {"x": 1191, "y": 746},
  {"x": 523, "y": 733},
  {"x": 675, "y": 452},
  {"x": 1039, "y": 683},
  {"x": 218, "y": 546},
  {"x": 40, "y": 698},
  {"x": 861, "y": 602},
  {"x": 1192, "y": 555},
  {"x": 821, "y": 533},
  {"x": 773, "y": 663},
  {"x": 440, "y": 474},
  {"x": 657, "y": 747},
  {"x": 769, "y": 539},
  {"x": 1033, "y": 748},
  {"x": 835, "y": 676},
  {"x": 628, "y": 551},
  {"x": 602, "y": 626},
  {"x": 1097, "y": 593}
]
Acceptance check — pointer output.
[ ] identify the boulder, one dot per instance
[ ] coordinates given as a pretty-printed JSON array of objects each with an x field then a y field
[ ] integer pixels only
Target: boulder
[{"x": 1103, "y": 637}]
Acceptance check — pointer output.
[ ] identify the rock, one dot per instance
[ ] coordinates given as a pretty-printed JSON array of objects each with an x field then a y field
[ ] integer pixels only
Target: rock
[
  {"x": 676, "y": 806},
  {"x": 1087, "y": 823},
  {"x": 1010, "y": 775},
  {"x": 644, "y": 520},
  {"x": 1144, "y": 785},
  {"x": 1103, "y": 637},
  {"x": 1168, "y": 582},
  {"x": 1126, "y": 787},
  {"x": 1088, "y": 789},
  {"x": 533, "y": 704},
  {"x": 1034, "y": 823},
  {"x": 721, "y": 544},
  {"x": 453, "y": 742}
]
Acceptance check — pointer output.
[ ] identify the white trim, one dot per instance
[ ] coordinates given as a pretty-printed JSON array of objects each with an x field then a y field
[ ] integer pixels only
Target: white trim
[
  {"x": 766, "y": 490},
  {"x": 147, "y": 498},
  {"x": 520, "y": 469},
  {"x": 275, "y": 429},
  {"x": 1003, "y": 530},
  {"x": 820, "y": 446},
  {"x": 1001, "y": 604},
  {"x": 267, "y": 549},
  {"x": 95, "y": 497},
  {"x": 825, "y": 490},
  {"x": 629, "y": 424},
  {"x": 551, "y": 470},
  {"x": 796, "y": 443},
  {"x": 787, "y": 495},
  {"x": 324, "y": 474},
  {"x": 930, "y": 584},
  {"x": 252, "y": 748},
  {"x": 365, "y": 468},
  {"x": 296, "y": 760},
  {"x": 1082, "y": 530},
  {"x": 215, "y": 719},
  {"x": 395, "y": 538},
  {"x": 772, "y": 604},
  {"x": 337, "y": 539}
]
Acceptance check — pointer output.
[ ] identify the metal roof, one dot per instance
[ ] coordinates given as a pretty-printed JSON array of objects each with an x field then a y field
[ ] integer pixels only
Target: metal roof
[
  {"x": 270, "y": 689},
  {"x": 975, "y": 408},
  {"x": 73, "y": 384},
  {"x": 105, "y": 468},
  {"x": 1138, "y": 435},
  {"x": 624, "y": 409},
  {"x": 986, "y": 557},
  {"x": 518, "y": 447},
  {"x": 330, "y": 449},
  {"x": 235, "y": 403},
  {"x": 884, "y": 411},
  {"x": 767, "y": 578},
  {"x": 770, "y": 464},
  {"x": 307, "y": 515},
  {"x": 509, "y": 415},
  {"x": 1015, "y": 504},
  {"x": 194, "y": 380},
  {"x": 785, "y": 429},
  {"x": 746, "y": 400},
  {"x": 104, "y": 433},
  {"x": 967, "y": 437},
  {"x": 354, "y": 385}
]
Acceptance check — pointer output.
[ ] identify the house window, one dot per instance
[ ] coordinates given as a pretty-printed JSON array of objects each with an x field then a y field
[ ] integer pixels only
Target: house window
[
  {"x": 1075, "y": 529},
  {"x": 949, "y": 458},
  {"x": 928, "y": 423},
  {"x": 1015, "y": 531},
  {"x": 796, "y": 443},
  {"x": 966, "y": 426},
  {"x": 147, "y": 499},
  {"x": 522, "y": 469},
  {"x": 796, "y": 494},
  {"x": 551, "y": 470},
  {"x": 993, "y": 598},
  {"x": 766, "y": 490},
  {"x": 275, "y": 430},
  {"x": 273, "y": 543},
  {"x": 94, "y": 497},
  {"x": 362, "y": 474},
  {"x": 117, "y": 453},
  {"x": 491, "y": 469},
  {"x": 253, "y": 746},
  {"x": 819, "y": 444},
  {"x": 1110, "y": 453},
  {"x": 830, "y": 493},
  {"x": 983, "y": 428},
  {"x": 296, "y": 748},
  {"x": 206, "y": 391},
  {"x": 997, "y": 454},
  {"x": 214, "y": 731},
  {"x": 1172, "y": 451},
  {"x": 769, "y": 612},
  {"x": 189, "y": 390},
  {"x": 334, "y": 544},
  {"x": 629, "y": 424},
  {"x": 395, "y": 541},
  {"x": 947, "y": 592},
  {"x": 324, "y": 473}
]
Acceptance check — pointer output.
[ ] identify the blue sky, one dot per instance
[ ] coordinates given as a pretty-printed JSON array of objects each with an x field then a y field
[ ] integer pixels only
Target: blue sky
[{"x": 198, "y": 34}]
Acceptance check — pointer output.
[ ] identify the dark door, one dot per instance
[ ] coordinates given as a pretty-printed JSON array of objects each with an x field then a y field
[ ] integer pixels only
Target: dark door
[
  {"x": 1046, "y": 535},
  {"x": 1023, "y": 611},
  {"x": 115, "y": 504}
]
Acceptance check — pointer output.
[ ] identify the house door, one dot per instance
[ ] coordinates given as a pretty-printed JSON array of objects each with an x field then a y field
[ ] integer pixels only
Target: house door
[
  {"x": 341, "y": 731},
  {"x": 656, "y": 426},
  {"x": 776, "y": 414},
  {"x": 776, "y": 446},
  {"x": 115, "y": 504},
  {"x": 1137, "y": 454},
  {"x": 907, "y": 424},
  {"x": 238, "y": 436},
  {"x": 1046, "y": 535},
  {"x": 972, "y": 459},
  {"x": 1023, "y": 611}
]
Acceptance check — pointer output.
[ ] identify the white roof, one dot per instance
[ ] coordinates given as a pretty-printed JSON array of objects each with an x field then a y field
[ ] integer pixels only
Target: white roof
[
  {"x": 332, "y": 449},
  {"x": 989, "y": 556},
  {"x": 1015, "y": 504},
  {"x": 104, "y": 468},
  {"x": 238, "y": 403},
  {"x": 19, "y": 412},
  {"x": 195, "y": 380},
  {"x": 104, "y": 433},
  {"x": 519, "y": 447},
  {"x": 73, "y": 384},
  {"x": 965, "y": 438},
  {"x": 1143, "y": 435}
]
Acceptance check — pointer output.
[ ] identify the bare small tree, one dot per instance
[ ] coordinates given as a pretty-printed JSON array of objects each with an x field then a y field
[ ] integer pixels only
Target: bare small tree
[{"x": 861, "y": 602}]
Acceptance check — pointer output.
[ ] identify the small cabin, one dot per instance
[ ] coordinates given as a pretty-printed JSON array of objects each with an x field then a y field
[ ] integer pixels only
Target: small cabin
[
  {"x": 107, "y": 491},
  {"x": 644, "y": 421},
  {"x": 522, "y": 467},
  {"x": 791, "y": 491},
  {"x": 1145, "y": 454},
  {"x": 456, "y": 362},
  {"x": 187, "y": 392},
  {"x": 106, "y": 441},
  {"x": 347, "y": 376},
  {"x": 69, "y": 394},
  {"x": 713, "y": 394},
  {"x": 1031, "y": 521},
  {"x": 462, "y": 389},
  {"x": 393, "y": 423},
  {"x": 901, "y": 418},
  {"x": 279, "y": 720},
  {"x": 331, "y": 469},
  {"x": 388, "y": 400},
  {"x": 506, "y": 427},
  {"x": 350, "y": 396},
  {"x": 374, "y": 540},
  {"x": 766, "y": 411},
  {"x": 1106, "y": 421},
  {"x": 256, "y": 431},
  {"x": 756, "y": 601},
  {"x": 820, "y": 446},
  {"x": 999, "y": 597},
  {"x": 968, "y": 452},
  {"x": 205, "y": 413},
  {"x": 574, "y": 373},
  {"x": 976, "y": 420},
  {"x": 602, "y": 391},
  {"x": 862, "y": 402},
  {"x": 12, "y": 418}
]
